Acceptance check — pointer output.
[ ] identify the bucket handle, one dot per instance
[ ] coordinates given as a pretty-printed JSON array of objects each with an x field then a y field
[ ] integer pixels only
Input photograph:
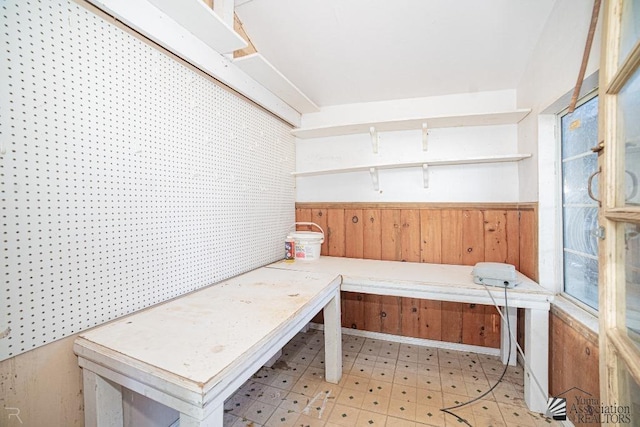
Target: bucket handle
[{"x": 307, "y": 223}]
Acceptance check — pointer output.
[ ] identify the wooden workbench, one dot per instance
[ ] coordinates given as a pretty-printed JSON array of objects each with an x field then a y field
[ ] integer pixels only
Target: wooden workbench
[
  {"x": 444, "y": 282},
  {"x": 193, "y": 352}
]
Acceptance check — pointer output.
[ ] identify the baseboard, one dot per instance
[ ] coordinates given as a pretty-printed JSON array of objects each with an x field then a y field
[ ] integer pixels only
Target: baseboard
[{"x": 416, "y": 341}]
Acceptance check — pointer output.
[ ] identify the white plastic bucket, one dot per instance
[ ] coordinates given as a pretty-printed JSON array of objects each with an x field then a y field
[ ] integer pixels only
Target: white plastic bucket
[{"x": 307, "y": 243}]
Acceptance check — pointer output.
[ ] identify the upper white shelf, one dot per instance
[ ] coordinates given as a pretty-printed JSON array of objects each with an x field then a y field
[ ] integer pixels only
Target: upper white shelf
[
  {"x": 436, "y": 162},
  {"x": 261, "y": 70},
  {"x": 202, "y": 22},
  {"x": 485, "y": 119}
]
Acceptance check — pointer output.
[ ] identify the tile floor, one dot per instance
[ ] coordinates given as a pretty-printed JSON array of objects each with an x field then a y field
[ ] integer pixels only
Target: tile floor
[{"x": 383, "y": 384}]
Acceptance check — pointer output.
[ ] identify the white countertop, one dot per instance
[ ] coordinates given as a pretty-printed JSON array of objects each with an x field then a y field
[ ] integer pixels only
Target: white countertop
[{"x": 196, "y": 339}]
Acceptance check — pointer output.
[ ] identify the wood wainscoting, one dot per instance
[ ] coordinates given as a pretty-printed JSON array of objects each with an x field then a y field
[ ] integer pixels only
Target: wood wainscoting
[{"x": 451, "y": 233}]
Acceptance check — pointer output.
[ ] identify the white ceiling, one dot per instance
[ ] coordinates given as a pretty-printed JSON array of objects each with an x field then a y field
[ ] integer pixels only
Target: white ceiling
[{"x": 349, "y": 51}]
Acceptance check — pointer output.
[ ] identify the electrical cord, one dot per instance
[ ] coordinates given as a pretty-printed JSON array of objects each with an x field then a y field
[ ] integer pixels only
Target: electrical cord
[{"x": 448, "y": 409}]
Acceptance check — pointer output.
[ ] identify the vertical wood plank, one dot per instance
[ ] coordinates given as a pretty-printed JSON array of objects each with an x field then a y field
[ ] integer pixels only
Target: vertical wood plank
[
  {"x": 372, "y": 234},
  {"x": 410, "y": 234},
  {"x": 495, "y": 236},
  {"x": 319, "y": 216},
  {"x": 390, "y": 314},
  {"x": 473, "y": 324},
  {"x": 391, "y": 235},
  {"x": 431, "y": 235},
  {"x": 492, "y": 327},
  {"x": 335, "y": 224},
  {"x": 303, "y": 215},
  {"x": 430, "y": 320},
  {"x": 451, "y": 236},
  {"x": 354, "y": 233},
  {"x": 451, "y": 313},
  {"x": 352, "y": 310},
  {"x": 513, "y": 238},
  {"x": 528, "y": 244},
  {"x": 472, "y": 237},
  {"x": 372, "y": 309},
  {"x": 410, "y": 317}
]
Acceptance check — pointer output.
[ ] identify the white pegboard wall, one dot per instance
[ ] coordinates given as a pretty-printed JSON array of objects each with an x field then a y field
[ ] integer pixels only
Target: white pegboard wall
[{"x": 126, "y": 178}]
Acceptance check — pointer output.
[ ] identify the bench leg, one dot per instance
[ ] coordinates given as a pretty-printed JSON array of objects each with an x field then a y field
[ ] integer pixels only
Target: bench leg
[
  {"x": 102, "y": 401},
  {"x": 536, "y": 348},
  {"x": 505, "y": 337},
  {"x": 333, "y": 340},
  {"x": 214, "y": 419}
]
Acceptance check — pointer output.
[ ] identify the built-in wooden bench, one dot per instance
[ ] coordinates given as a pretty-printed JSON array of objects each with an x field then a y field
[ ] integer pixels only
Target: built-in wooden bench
[
  {"x": 443, "y": 282},
  {"x": 193, "y": 352}
]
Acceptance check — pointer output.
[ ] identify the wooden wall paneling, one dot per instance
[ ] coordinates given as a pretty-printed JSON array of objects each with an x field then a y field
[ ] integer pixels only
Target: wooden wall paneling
[
  {"x": 335, "y": 224},
  {"x": 451, "y": 236},
  {"x": 372, "y": 309},
  {"x": 431, "y": 236},
  {"x": 391, "y": 249},
  {"x": 410, "y": 234},
  {"x": 492, "y": 325},
  {"x": 496, "y": 245},
  {"x": 319, "y": 216},
  {"x": 372, "y": 234},
  {"x": 529, "y": 243},
  {"x": 303, "y": 215},
  {"x": 513, "y": 238},
  {"x": 352, "y": 310},
  {"x": 410, "y": 317},
  {"x": 472, "y": 237},
  {"x": 451, "y": 314},
  {"x": 473, "y": 324},
  {"x": 390, "y": 314},
  {"x": 430, "y": 320},
  {"x": 354, "y": 233}
]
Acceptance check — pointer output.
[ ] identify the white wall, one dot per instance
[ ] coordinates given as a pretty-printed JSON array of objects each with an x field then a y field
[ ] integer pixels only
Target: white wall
[
  {"x": 551, "y": 73},
  {"x": 464, "y": 183}
]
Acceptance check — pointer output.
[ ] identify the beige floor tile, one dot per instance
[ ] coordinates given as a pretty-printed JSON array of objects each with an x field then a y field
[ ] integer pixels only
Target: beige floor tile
[
  {"x": 489, "y": 422},
  {"x": 282, "y": 418},
  {"x": 252, "y": 389},
  {"x": 430, "y": 415},
  {"x": 401, "y": 409},
  {"x": 283, "y": 381},
  {"x": 429, "y": 383},
  {"x": 366, "y": 359},
  {"x": 486, "y": 408},
  {"x": 259, "y": 412},
  {"x": 353, "y": 382},
  {"x": 430, "y": 397},
  {"x": 429, "y": 370},
  {"x": 308, "y": 421},
  {"x": 353, "y": 398},
  {"x": 306, "y": 386},
  {"x": 515, "y": 415},
  {"x": 363, "y": 371},
  {"x": 399, "y": 422},
  {"x": 313, "y": 372},
  {"x": 375, "y": 403},
  {"x": 367, "y": 418},
  {"x": 237, "y": 404},
  {"x": 243, "y": 422},
  {"x": 271, "y": 395},
  {"x": 295, "y": 402},
  {"x": 450, "y": 362},
  {"x": 406, "y": 378},
  {"x": 383, "y": 373},
  {"x": 408, "y": 367},
  {"x": 379, "y": 388},
  {"x": 344, "y": 415},
  {"x": 404, "y": 393}
]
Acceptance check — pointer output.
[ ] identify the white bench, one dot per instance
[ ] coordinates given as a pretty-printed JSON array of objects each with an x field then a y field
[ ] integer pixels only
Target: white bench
[
  {"x": 454, "y": 283},
  {"x": 194, "y": 352}
]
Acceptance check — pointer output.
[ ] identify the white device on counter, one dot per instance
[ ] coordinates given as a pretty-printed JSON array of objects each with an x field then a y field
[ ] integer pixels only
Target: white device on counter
[{"x": 495, "y": 274}]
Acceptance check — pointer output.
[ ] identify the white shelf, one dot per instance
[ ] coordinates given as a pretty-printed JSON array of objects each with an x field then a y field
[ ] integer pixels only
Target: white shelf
[
  {"x": 425, "y": 164},
  {"x": 202, "y": 22},
  {"x": 485, "y": 119},
  {"x": 261, "y": 70}
]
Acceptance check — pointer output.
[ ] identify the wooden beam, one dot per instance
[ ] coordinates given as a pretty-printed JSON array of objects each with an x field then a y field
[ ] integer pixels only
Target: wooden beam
[{"x": 585, "y": 55}]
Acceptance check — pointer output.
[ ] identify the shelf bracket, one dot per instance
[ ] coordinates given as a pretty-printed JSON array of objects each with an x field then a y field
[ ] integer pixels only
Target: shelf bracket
[
  {"x": 425, "y": 133},
  {"x": 374, "y": 139},
  {"x": 425, "y": 175},
  {"x": 375, "y": 179}
]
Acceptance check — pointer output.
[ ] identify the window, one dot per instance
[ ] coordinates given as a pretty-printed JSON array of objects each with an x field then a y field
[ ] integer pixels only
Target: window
[{"x": 578, "y": 134}]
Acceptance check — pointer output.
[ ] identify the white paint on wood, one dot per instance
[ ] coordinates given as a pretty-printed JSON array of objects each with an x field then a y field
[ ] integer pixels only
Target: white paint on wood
[
  {"x": 333, "y": 340},
  {"x": 536, "y": 345},
  {"x": 102, "y": 401},
  {"x": 261, "y": 70}
]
